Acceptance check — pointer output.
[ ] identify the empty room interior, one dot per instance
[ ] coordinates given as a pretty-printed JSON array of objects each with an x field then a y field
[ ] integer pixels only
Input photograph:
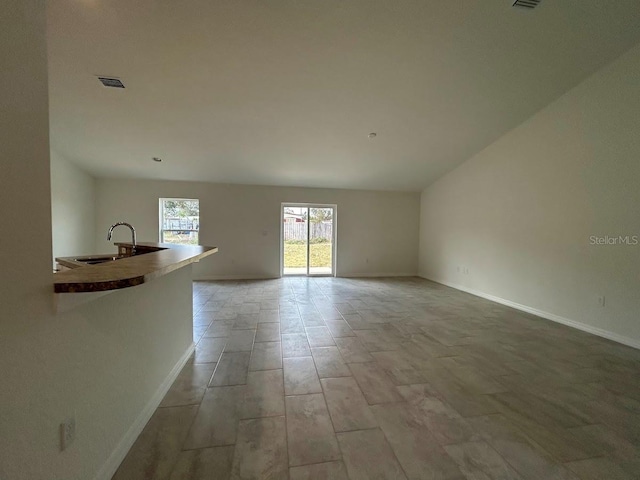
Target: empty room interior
[{"x": 337, "y": 239}]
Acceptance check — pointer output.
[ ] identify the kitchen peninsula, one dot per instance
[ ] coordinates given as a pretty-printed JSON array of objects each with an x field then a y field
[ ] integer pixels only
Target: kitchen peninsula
[{"x": 150, "y": 260}]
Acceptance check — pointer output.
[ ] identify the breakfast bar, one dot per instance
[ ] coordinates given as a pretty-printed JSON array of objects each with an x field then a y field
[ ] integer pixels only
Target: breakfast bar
[{"x": 131, "y": 266}]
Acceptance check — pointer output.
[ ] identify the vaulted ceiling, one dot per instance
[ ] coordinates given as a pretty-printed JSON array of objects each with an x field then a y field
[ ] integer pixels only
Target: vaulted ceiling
[{"x": 285, "y": 92}]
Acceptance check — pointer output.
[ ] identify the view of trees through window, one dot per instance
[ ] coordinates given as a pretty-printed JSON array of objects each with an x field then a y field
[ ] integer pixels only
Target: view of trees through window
[
  {"x": 318, "y": 215},
  {"x": 180, "y": 220}
]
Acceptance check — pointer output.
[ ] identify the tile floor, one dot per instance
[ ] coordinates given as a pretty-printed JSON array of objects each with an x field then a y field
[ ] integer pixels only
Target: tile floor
[{"x": 394, "y": 378}]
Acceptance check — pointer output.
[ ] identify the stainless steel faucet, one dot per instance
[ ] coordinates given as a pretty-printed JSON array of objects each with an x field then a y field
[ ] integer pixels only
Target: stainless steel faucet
[{"x": 133, "y": 232}]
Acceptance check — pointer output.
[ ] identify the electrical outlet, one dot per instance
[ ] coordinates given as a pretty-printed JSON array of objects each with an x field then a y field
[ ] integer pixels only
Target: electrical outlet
[
  {"x": 601, "y": 301},
  {"x": 458, "y": 268},
  {"x": 67, "y": 433}
]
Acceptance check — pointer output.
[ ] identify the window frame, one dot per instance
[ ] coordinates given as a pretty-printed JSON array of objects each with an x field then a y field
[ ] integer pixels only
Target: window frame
[{"x": 161, "y": 218}]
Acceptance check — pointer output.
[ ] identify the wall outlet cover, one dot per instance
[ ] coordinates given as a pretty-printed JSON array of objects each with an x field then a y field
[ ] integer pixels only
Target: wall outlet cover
[{"x": 67, "y": 433}]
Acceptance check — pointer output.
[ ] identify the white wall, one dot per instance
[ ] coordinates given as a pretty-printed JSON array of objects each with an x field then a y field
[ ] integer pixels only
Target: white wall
[
  {"x": 72, "y": 208},
  {"x": 519, "y": 215},
  {"x": 244, "y": 223},
  {"x": 102, "y": 361}
]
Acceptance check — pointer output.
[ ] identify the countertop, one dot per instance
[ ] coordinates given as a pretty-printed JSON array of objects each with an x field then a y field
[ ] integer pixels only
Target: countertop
[{"x": 129, "y": 271}]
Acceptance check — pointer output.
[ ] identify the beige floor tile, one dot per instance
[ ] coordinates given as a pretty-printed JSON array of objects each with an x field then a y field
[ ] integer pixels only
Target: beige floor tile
[
  {"x": 319, "y": 471},
  {"x": 189, "y": 386},
  {"x": 339, "y": 328},
  {"x": 154, "y": 453},
  {"x": 367, "y": 455},
  {"x": 310, "y": 433},
  {"x": 345, "y": 308},
  {"x": 268, "y": 332},
  {"x": 445, "y": 424},
  {"x": 329, "y": 362},
  {"x": 374, "y": 383},
  {"x": 528, "y": 458},
  {"x": 204, "y": 464},
  {"x": 264, "y": 395},
  {"x": 300, "y": 376},
  {"x": 477, "y": 382},
  {"x": 399, "y": 369},
  {"x": 232, "y": 369},
  {"x": 261, "y": 450},
  {"x": 564, "y": 395},
  {"x": 352, "y": 350},
  {"x": 295, "y": 345},
  {"x": 218, "y": 329},
  {"x": 537, "y": 419},
  {"x": 216, "y": 422},
  {"x": 208, "y": 350},
  {"x": 290, "y": 325},
  {"x": 477, "y": 460},
  {"x": 607, "y": 442},
  {"x": 600, "y": 469},
  {"x": 347, "y": 406},
  {"x": 266, "y": 355},
  {"x": 450, "y": 389},
  {"x": 376, "y": 341},
  {"x": 246, "y": 321},
  {"x": 544, "y": 412},
  {"x": 319, "y": 337},
  {"x": 211, "y": 306},
  {"x": 240, "y": 341},
  {"x": 268, "y": 316},
  {"x": 312, "y": 319},
  {"x": 198, "y": 332},
  {"x": 415, "y": 446},
  {"x": 356, "y": 322},
  {"x": 330, "y": 313},
  {"x": 225, "y": 313},
  {"x": 203, "y": 318},
  {"x": 424, "y": 348},
  {"x": 249, "y": 308}
]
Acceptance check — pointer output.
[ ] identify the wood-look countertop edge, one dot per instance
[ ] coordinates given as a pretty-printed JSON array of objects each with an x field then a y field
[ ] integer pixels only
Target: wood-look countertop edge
[{"x": 130, "y": 271}]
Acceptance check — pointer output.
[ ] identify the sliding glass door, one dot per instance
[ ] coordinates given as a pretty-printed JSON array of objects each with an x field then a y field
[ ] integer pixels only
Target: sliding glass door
[{"x": 308, "y": 239}]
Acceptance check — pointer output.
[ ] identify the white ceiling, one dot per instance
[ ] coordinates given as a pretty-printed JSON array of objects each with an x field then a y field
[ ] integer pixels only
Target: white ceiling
[{"x": 284, "y": 92}]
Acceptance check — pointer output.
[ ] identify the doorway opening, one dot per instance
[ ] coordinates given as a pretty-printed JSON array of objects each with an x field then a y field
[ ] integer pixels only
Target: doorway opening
[{"x": 308, "y": 243}]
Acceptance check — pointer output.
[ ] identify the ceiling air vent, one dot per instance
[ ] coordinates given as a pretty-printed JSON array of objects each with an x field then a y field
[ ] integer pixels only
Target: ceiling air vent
[
  {"x": 111, "y": 82},
  {"x": 530, "y": 4}
]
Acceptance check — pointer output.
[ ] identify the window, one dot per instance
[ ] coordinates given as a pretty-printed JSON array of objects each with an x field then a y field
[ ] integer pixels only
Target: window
[{"x": 179, "y": 220}]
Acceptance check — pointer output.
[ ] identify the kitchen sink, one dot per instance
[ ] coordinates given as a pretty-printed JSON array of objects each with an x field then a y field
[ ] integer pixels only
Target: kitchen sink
[
  {"x": 125, "y": 251},
  {"x": 97, "y": 259}
]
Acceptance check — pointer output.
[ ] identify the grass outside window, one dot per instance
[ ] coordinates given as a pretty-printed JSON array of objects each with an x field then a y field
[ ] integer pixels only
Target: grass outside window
[{"x": 295, "y": 255}]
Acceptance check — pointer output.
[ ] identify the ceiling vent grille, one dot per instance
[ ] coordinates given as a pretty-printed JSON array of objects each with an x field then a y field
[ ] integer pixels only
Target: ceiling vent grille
[
  {"x": 111, "y": 82},
  {"x": 530, "y": 4}
]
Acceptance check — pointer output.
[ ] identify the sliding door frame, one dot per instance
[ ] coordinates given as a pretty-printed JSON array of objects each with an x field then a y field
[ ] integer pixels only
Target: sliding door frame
[{"x": 334, "y": 239}]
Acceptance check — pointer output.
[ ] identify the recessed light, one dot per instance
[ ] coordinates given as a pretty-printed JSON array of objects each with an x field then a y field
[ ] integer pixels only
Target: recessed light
[
  {"x": 112, "y": 82},
  {"x": 530, "y": 4},
  {"x": 157, "y": 159},
  {"x": 373, "y": 135}
]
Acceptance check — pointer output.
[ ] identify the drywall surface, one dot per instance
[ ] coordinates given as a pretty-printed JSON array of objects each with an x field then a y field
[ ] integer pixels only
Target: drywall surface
[
  {"x": 526, "y": 215},
  {"x": 104, "y": 361},
  {"x": 377, "y": 232},
  {"x": 72, "y": 209}
]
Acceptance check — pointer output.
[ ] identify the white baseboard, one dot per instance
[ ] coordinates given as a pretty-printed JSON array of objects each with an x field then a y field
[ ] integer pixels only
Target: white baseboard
[
  {"x": 233, "y": 277},
  {"x": 340, "y": 275},
  {"x": 547, "y": 315},
  {"x": 377, "y": 275},
  {"x": 115, "y": 459}
]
